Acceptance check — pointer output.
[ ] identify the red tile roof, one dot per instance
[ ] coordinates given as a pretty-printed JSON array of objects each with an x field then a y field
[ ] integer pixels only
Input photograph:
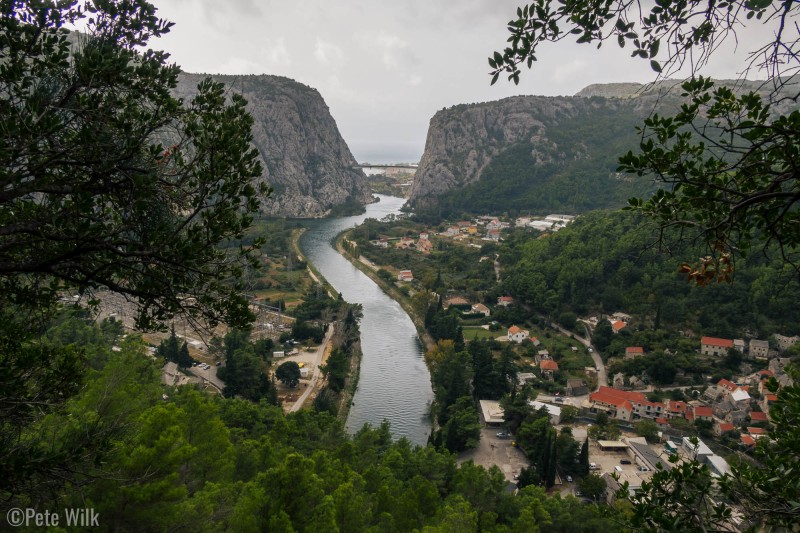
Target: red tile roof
[
  {"x": 634, "y": 349},
  {"x": 725, "y": 426},
  {"x": 758, "y": 416},
  {"x": 713, "y": 341},
  {"x": 514, "y": 330},
  {"x": 702, "y": 410},
  {"x": 676, "y": 406},
  {"x": 661, "y": 421},
  {"x": 729, "y": 385},
  {"x": 548, "y": 364},
  {"x": 616, "y": 397},
  {"x": 756, "y": 431},
  {"x": 771, "y": 397},
  {"x": 765, "y": 373},
  {"x": 747, "y": 440},
  {"x": 618, "y": 325}
]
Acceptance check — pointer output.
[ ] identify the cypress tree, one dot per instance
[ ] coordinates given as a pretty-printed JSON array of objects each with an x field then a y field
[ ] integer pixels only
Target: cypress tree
[
  {"x": 583, "y": 458},
  {"x": 184, "y": 359},
  {"x": 553, "y": 459}
]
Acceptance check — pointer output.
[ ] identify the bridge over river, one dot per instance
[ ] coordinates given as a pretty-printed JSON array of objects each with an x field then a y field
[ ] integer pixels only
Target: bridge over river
[{"x": 413, "y": 166}]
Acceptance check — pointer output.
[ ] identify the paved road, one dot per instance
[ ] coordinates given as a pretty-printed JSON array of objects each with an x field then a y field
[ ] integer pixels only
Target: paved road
[
  {"x": 209, "y": 375},
  {"x": 602, "y": 377},
  {"x": 318, "y": 361}
]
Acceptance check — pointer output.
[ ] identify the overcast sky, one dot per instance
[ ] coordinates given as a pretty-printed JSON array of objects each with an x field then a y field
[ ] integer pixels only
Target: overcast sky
[{"x": 384, "y": 68}]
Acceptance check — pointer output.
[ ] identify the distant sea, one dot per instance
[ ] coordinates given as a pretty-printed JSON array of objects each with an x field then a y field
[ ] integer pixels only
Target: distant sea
[{"x": 386, "y": 154}]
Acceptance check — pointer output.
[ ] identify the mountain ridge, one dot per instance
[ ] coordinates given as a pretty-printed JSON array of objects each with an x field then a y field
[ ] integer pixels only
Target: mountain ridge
[
  {"x": 536, "y": 154},
  {"x": 306, "y": 160}
]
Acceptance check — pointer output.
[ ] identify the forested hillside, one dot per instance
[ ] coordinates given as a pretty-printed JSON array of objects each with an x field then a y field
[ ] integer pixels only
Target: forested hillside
[
  {"x": 149, "y": 458},
  {"x": 538, "y": 155},
  {"x": 571, "y": 170},
  {"x": 605, "y": 261}
]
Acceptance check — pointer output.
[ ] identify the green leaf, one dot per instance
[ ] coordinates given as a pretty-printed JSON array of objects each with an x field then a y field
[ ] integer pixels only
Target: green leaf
[
  {"x": 655, "y": 65},
  {"x": 654, "y": 46}
]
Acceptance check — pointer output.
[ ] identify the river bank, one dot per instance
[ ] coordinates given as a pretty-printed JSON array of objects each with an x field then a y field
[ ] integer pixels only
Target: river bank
[
  {"x": 345, "y": 399},
  {"x": 391, "y": 290},
  {"x": 393, "y": 381}
]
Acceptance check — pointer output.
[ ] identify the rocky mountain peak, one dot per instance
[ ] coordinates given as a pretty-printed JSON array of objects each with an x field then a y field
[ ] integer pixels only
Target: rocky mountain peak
[{"x": 306, "y": 160}]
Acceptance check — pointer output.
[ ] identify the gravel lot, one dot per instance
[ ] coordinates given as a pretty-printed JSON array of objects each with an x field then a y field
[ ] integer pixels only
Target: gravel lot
[{"x": 496, "y": 451}]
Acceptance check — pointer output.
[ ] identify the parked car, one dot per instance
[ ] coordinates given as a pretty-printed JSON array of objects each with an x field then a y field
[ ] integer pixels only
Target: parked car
[
  {"x": 593, "y": 466},
  {"x": 624, "y": 462},
  {"x": 560, "y": 400},
  {"x": 643, "y": 469},
  {"x": 569, "y": 479},
  {"x": 503, "y": 435}
]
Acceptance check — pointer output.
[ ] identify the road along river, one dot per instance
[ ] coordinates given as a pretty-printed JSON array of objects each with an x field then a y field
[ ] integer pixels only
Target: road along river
[{"x": 394, "y": 383}]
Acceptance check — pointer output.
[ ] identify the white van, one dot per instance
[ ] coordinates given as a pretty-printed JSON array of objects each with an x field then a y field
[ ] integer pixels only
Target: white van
[{"x": 618, "y": 469}]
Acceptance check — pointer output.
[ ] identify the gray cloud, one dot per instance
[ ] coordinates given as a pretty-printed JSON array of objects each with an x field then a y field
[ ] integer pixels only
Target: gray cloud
[{"x": 385, "y": 68}]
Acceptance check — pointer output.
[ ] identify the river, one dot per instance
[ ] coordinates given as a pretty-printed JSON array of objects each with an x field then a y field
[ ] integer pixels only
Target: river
[{"x": 394, "y": 383}]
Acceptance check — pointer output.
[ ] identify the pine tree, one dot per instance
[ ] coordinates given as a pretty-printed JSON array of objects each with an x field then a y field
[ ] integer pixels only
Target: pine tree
[{"x": 169, "y": 349}]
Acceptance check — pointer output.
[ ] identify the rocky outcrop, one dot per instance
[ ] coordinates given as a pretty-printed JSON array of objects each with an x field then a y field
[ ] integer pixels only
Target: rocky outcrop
[
  {"x": 306, "y": 161},
  {"x": 534, "y": 153},
  {"x": 463, "y": 140}
]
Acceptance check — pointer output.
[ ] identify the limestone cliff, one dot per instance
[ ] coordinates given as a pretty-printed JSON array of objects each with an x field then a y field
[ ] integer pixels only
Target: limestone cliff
[
  {"x": 539, "y": 154},
  {"x": 306, "y": 161},
  {"x": 478, "y": 151}
]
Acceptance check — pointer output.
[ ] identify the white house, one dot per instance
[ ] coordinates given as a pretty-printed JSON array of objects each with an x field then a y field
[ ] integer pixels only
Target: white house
[
  {"x": 516, "y": 334},
  {"x": 553, "y": 410},
  {"x": 480, "y": 308},
  {"x": 715, "y": 346},
  {"x": 759, "y": 349}
]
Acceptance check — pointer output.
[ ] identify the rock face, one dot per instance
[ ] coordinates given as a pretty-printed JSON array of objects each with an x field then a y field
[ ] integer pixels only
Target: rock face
[
  {"x": 306, "y": 161},
  {"x": 464, "y": 140},
  {"x": 537, "y": 154}
]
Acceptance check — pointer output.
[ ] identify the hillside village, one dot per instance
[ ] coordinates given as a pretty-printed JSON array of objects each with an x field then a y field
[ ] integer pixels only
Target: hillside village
[
  {"x": 577, "y": 380},
  {"x": 482, "y": 228}
]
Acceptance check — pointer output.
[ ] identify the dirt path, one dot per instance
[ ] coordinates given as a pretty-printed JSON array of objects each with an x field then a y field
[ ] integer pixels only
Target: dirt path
[{"x": 322, "y": 352}]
